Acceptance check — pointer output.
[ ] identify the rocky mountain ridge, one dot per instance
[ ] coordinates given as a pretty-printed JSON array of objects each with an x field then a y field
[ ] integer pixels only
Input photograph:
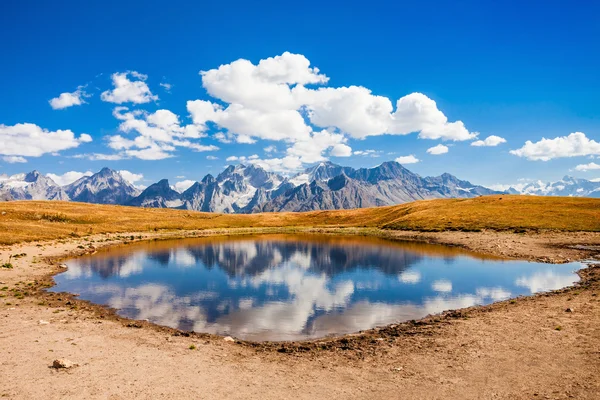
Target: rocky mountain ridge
[{"x": 250, "y": 188}]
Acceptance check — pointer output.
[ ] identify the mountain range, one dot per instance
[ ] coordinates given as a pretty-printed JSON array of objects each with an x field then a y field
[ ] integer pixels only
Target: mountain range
[
  {"x": 567, "y": 186},
  {"x": 250, "y": 188}
]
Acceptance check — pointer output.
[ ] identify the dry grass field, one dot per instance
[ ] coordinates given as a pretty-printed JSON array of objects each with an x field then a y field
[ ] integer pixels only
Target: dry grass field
[
  {"x": 44, "y": 220},
  {"x": 539, "y": 346}
]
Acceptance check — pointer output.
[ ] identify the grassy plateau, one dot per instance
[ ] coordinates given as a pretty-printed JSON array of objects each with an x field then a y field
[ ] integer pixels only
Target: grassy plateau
[{"x": 46, "y": 220}]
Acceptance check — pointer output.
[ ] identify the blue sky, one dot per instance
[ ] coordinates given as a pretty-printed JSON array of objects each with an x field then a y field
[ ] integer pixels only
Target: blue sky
[{"x": 520, "y": 71}]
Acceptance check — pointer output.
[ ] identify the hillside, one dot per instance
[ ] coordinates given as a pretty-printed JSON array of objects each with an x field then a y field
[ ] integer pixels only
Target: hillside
[{"x": 44, "y": 220}]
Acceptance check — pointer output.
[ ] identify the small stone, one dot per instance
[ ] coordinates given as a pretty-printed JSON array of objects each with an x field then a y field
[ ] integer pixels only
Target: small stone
[
  {"x": 228, "y": 339},
  {"x": 63, "y": 363},
  {"x": 570, "y": 309},
  {"x": 42, "y": 322},
  {"x": 3, "y": 212}
]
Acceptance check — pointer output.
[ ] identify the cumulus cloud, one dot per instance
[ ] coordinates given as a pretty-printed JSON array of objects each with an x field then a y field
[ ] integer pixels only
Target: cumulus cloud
[
  {"x": 68, "y": 177},
  {"x": 574, "y": 145},
  {"x": 437, "y": 150},
  {"x": 489, "y": 141},
  {"x": 30, "y": 140},
  {"x": 311, "y": 148},
  {"x": 587, "y": 167},
  {"x": 182, "y": 186},
  {"x": 276, "y": 100},
  {"x": 410, "y": 159},
  {"x": 131, "y": 177},
  {"x": 127, "y": 90},
  {"x": 158, "y": 134},
  {"x": 14, "y": 159},
  {"x": 65, "y": 100}
]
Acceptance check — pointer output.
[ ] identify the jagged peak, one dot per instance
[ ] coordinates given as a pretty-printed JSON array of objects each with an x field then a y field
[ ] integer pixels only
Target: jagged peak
[
  {"x": 105, "y": 172},
  {"x": 208, "y": 179},
  {"x": 32, "y": 176}
]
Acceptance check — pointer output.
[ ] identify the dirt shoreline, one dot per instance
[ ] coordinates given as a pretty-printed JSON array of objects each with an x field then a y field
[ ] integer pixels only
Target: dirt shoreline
[{"x": 453, "y": 355}]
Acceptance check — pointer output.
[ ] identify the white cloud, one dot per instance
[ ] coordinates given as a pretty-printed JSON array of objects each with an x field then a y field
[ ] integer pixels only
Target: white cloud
[
  {"x": 159, "y": 133},
  {"x": 243, "y": 159},
  {"x": 167, "y": 87},
  {"x": 311, "y": 148},
  {"x": 353, "y": 110},
  {"x": 68, "y": 177},
  {"x": 30, "y": 140},
  {"x": 489, "y": 141},
  {"x": 341, "y": 150},
  {"x": 574, "y": 145},
  {"x": 587, "y": 167},
  {"x": 224, "y": 137},
  {"x": 277, "y": 124},
  {"x": 131, "y": 177},
  {"x": 182, "y": 186},
  {"x": 265, "y": 86},
  {"x": 154, "y": 152},
  {"x": 270, "y": 149},
  {"x": 271, "y": 101},
  {"x": 439, "y": 149},
  {"x": 410, "y": 159},
  {"x": 212, "y": 158},
  {"x": 14, "y": 159},
  {"x": 442, "y": 285},
  {"x": 67, "y": 99},
  {"x": 367, "y": 153},
  {"x": 129, "y": 91}
]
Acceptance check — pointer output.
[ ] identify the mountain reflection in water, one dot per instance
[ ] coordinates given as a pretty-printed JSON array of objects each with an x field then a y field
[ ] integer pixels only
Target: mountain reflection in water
[{"x": 288, "y": 287}]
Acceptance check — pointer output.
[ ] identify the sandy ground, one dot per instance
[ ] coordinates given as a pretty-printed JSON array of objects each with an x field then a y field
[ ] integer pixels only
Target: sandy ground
[{"x": 527, "y": 348}]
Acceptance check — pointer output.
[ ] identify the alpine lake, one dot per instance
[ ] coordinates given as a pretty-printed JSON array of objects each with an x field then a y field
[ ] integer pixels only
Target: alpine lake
[{"x": 295, "y": 287}]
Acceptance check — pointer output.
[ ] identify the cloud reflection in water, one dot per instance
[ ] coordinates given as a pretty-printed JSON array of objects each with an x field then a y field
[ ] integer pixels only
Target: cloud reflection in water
[{"x": 285, "y": 288}]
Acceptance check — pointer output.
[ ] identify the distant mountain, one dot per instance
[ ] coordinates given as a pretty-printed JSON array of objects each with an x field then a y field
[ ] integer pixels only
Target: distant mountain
[
  {"x": 158, "y": 195},
  {"x": 250, "y": 189},
  {"x": 31, "y": 186},
  {"x": 104, "y": 187},
  {"x": 387, "y": 184},
  {"x": 567, "y": 186},
  {"x": 235, "y": 190}
]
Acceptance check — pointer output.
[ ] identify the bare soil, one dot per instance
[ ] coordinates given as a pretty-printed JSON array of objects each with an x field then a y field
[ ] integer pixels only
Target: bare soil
[{"x": 542, "y": 346}]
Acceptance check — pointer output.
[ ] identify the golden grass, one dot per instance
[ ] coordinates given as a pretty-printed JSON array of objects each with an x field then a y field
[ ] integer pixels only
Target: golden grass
[{"x": 45, "y": 220}]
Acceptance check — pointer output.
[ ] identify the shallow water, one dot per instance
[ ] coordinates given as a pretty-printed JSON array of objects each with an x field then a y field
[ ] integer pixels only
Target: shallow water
[{"x": 289, "y": 287}]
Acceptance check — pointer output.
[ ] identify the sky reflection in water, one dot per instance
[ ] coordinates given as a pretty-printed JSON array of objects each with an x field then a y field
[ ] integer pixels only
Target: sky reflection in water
[{"x": 295, "y": 287}]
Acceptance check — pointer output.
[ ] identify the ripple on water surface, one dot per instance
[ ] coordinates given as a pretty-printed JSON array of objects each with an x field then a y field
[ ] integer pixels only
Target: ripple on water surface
[{"x": 284, "y": 287}]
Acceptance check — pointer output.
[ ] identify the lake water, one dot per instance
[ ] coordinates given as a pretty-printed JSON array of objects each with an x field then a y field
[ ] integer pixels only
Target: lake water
[{"x": 284, "y": 287}]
